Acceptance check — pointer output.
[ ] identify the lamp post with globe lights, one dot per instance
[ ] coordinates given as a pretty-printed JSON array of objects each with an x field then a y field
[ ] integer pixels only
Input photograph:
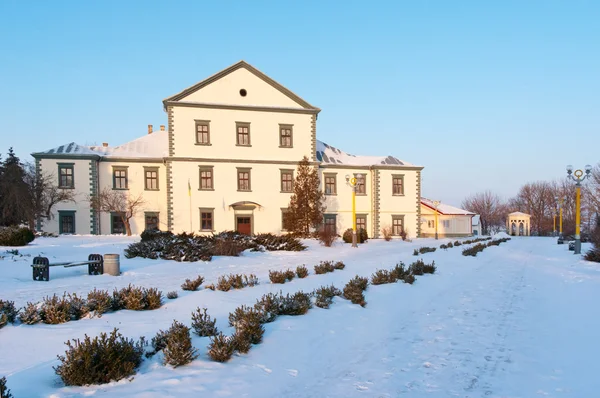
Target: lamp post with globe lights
[
  {"x": 578, "y": 176},
  {"x": 436, "y": 203}
]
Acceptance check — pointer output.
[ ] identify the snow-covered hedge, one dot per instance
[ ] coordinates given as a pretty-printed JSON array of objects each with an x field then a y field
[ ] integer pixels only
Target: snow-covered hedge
[
  {"x": 14, "y": 236},
  {"x": 191, "y": 247}
]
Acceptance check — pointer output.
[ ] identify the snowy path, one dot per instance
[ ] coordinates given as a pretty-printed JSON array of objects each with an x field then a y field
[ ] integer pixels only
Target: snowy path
[{"x": 519, "y": 320}]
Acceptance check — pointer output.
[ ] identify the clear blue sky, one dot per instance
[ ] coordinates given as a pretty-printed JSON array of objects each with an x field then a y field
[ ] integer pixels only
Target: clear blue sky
[{"x": 459, "y": 87}]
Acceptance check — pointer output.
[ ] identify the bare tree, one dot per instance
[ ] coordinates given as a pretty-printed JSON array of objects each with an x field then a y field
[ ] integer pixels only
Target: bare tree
[
  {"x": 490, "y": 208},
  {"x": 118, "y": 202},
  {"x": 44, "y": 194},
  {"x": 538, "y": 200}
]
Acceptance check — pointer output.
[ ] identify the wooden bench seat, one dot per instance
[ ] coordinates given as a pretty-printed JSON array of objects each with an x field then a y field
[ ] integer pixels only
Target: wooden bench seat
[{"x": 41, "y": 266}]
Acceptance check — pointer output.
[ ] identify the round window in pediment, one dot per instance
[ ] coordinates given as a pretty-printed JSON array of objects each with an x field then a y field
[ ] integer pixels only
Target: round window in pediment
[{"x": 243, "y": 92}]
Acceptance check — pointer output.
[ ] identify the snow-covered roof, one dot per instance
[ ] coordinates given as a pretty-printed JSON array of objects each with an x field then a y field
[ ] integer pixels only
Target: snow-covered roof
[
  {"x": 331, "y": 155},
  {"x": 149, "y": 146},
  {"x": 520, "y": 214},
  {"x": 475, "y": 220},
  {"x": 443, "y": 208}
]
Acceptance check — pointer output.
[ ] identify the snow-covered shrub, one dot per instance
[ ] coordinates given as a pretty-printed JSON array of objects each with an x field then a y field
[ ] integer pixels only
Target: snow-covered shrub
[
  {"x": 382, "y": 276},
  {"x": 223, "y": 283},
  {"x": 99, "y": 301},
  {"x": 78, "y": 307},
  {"x": 268, "y": 306},
  {"x": 416, "y": 268},
  {"x": 15, "y": 236},
  {"x": 361, "y": 235},
  {"x": 178, "y": 350},
  {"x": 227, "y": 246},
  {"x": 241, "y": 342},
  {"x": 192, "y": 284},
  {"x": 354, "y": 289},
  {"x": 202, "y": 324},
  {"x": 423, "y": 250},
  {"x": 4, "y": 391},
  {"x": 221, "y": 348},
  {"x": 297, "y": 304},
  {"x": 449, "y": 245},
  {"x": 593, "y": 255},
  {"x": 158, "y": 342},
  {"x": 99, "y": 360},
  {"x": 245, "y": 314},
  {"x": 409, "y": 278},
  {"x": 278, "y": 276},
  {"x": 301, "y": 271},
  {"x": 415, "y": 252},
  {"x": 136, "y": 298},
  {"x": 172, "y": 295},
  {"x": 444, "y": 246},
  {"x": 30, "y": 314},
  {"x": 210, "y": 286},
  {"x": 55, "y": 310},
  {"x": 429, "y": 268},
  {"x": 236, "y": 281},
  {"x": 325, "y": 294},
  {"x": 457, "y": 243},
  {"x": 398, "y": 272},
  {"x": 473, "y": 250},
  {"x": 339, "y": 265},
  {"x": 324, "y": 267},
  {"x": 8, "y": 312}
]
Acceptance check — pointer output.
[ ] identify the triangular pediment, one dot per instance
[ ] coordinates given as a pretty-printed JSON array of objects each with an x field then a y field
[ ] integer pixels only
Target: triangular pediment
[{"x": 241, "y": 85}]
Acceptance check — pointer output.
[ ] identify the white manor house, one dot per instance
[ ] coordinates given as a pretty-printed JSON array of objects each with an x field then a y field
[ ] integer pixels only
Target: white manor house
[{"x": 227, "y": 161}]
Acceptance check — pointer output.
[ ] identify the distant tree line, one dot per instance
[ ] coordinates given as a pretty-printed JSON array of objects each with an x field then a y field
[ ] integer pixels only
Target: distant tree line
[
  {"x": 542, "y": 200},
  {"x": 25, "y": 194}
]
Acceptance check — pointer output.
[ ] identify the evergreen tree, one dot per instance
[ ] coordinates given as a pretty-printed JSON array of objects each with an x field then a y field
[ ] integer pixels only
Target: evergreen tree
[
  {"x": 306, "y": 207},
  {"x": 15, "y": 200}
]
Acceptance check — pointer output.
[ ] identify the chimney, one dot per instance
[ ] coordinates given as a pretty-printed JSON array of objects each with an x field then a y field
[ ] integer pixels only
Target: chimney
[
  {"x": 150, "y": 129},
  {"x": 162, "y": 127},
  {"x": 105, "y": 144}
]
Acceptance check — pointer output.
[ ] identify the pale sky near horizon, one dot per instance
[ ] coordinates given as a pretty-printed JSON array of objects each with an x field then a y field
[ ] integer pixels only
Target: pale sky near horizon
[{"x": 485, "y": 95}]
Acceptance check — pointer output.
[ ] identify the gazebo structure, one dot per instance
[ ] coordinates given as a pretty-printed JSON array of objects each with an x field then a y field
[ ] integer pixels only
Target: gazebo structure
[{"x": 518, "y": 224}]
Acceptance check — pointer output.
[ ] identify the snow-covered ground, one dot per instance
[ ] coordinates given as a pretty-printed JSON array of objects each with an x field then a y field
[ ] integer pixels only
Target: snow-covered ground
[{"x": 518, "y": 320}]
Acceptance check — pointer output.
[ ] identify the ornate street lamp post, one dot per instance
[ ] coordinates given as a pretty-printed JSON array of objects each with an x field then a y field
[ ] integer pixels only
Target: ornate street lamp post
[
  {"x": 578, "y": 176},
  {"x": 436, "y": 203},
  {"x": 352, "y": 183}
]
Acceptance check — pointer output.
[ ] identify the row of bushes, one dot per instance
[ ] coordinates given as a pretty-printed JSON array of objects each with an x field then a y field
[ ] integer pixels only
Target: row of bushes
[
  {"x": 233, "y": 281},
  {"x": 156, "y": 244},
  {"x": 473, "y": 250},
  {"x": 450, "y": 245},
  {"x": 70, "y": 307},
  {"x": 423, "y": 250},
  {"x": 15, "y": 236},
  {"x": 325, "y": 267}
]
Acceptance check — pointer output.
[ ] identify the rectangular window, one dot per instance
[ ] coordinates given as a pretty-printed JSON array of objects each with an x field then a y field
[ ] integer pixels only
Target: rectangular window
[
  {"x": 206, "y": 178},
  {"x": 119, "y": 178},
  {"x": 151, "y": 179},
  {"x": 398, "y": 184},
  {"x": 243, "y": 133},
  {"x": 116, "y": 224},
  {"x": 397, "y": 225},
  {"x": 151, "y": 220},
  {"x": 361, "y": 188},
  {"x": 284, "y": 214},
  {"x": 207, "y": 219},
  {"x": 330, "y": 184},
  {"x": 65, "y": 175},
  {"x": 431, "y": 224},
  {"x": 203, "y": 132},
  {"x": 446, "y": 223},
  {"x": 285, "y": 136},
  {"x": 287, "y": 180},
  {"x": 361, "y": 222},
  {"x": 330, "y": 223},
  {"x": 243, "y": 179},
  {"x": 66, "y": 222}
]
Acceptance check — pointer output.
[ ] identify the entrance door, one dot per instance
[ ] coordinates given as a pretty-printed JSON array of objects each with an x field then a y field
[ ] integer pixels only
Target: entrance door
[{"x": 244, "y": 225}]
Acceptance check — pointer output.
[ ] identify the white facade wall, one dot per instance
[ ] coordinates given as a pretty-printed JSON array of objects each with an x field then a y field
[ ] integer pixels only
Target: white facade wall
[
  {"x": 155, "y": 201},
  {"x": 82, "y": 185},
  {"x": 398, "y": 205}
]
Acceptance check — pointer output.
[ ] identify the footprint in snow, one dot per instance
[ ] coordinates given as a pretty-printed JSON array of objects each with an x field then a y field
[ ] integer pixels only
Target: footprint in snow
[
  {"x": 292, "y": 372},
  {"x": 263, "y": 367}
]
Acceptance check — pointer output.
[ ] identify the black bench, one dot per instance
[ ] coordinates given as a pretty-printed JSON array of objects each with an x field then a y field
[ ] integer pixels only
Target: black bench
[{"x": 41, "y": 266}]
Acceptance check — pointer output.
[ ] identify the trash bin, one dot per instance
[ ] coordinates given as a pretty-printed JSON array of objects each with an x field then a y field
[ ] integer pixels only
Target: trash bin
[{"x": 112, "y": 265}]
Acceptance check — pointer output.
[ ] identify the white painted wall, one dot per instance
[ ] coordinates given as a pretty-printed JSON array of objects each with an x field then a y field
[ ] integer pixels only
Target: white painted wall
[
  {"x": 264, "y": 134},
  {"x": 227, "y": 91},
  {"x": 399, "y": 205},
  {"x": 81, "y": 174},
  {"x": 460, "y": 225}
]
